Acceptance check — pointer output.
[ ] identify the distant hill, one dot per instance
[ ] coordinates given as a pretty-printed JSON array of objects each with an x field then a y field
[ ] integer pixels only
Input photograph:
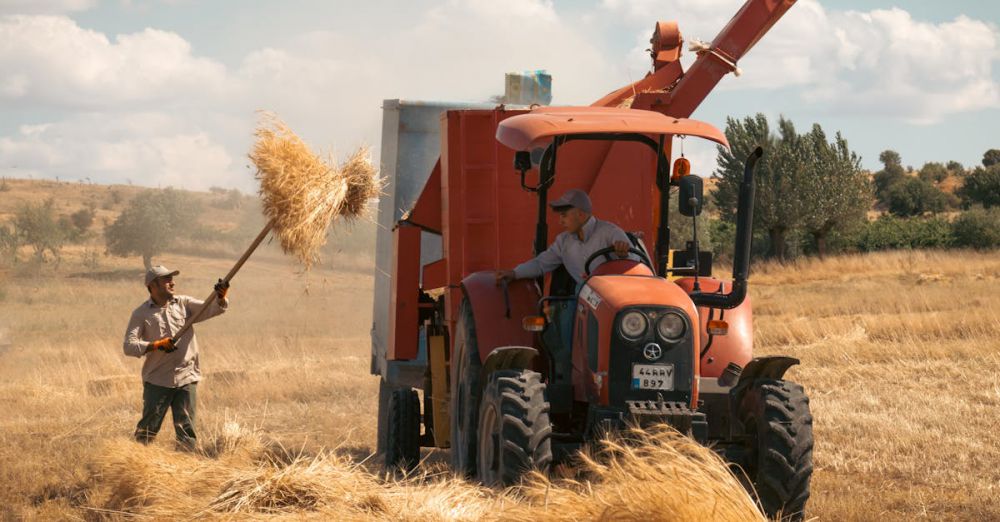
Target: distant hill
[
  {"x": 226, "y": 220},
  {"x": 222, "y": 208}
]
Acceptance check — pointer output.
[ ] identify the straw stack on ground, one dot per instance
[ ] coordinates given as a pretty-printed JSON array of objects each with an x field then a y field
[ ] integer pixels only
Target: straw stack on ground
[
  {"x": 658, "y": 475},
  {"x": 301, "y": 195}
]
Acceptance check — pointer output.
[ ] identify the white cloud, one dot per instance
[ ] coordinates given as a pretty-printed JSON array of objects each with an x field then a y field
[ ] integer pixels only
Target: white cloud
[
  {"x": 877, "y": 63},
  {"x": 50, "y": 60},
  {"x": 154, "y": 149},
  {"x": 144, "y": 106},
  {"x": 45, "y": 6}
]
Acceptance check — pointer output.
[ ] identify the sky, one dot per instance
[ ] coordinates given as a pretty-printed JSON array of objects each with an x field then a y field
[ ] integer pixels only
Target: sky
[{"x": 165, "y": 92}]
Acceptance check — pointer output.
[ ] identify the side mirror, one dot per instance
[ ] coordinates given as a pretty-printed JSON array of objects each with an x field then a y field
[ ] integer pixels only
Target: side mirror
[
  {"x": 691, "y": 195},
  {"x": 522, "y": 161}
]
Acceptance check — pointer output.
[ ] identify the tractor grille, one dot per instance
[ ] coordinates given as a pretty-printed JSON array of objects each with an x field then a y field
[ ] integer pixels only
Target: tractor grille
[{"x": 625, "y": 353}]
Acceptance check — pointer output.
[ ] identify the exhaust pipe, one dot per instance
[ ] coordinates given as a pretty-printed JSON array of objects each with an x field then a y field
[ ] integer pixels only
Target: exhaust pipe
[{"x": 744, "y": 234}]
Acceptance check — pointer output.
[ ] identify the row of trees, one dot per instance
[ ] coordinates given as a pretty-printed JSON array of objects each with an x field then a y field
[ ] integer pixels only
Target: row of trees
[
  {"x": 805, "y": 182},
  {"x": 811, "y": 190}
]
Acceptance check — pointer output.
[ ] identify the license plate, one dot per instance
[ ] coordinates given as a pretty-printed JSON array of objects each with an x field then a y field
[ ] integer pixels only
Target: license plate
[{"x": 652, "y": 376}]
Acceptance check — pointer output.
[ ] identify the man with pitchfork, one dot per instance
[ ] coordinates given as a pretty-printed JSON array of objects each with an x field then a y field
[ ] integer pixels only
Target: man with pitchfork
[{"x": 170, "y": 372}]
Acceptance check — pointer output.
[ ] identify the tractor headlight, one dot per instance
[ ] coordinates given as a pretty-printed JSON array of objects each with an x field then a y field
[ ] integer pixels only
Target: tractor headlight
[
  {"x": 671, "y": 326},
  {"x": 633, "y": 325}
]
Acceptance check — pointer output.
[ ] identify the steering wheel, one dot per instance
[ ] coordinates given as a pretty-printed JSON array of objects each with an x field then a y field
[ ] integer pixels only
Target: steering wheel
[{"x": 607, "y": 251}]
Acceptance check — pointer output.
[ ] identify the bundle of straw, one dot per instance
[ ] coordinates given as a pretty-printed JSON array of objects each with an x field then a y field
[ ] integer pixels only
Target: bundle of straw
[{"x": 302, "y": 194}]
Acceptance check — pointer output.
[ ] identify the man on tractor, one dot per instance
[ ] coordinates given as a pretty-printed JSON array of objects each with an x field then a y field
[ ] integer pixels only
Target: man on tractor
[{"x": 584, "y": 235}]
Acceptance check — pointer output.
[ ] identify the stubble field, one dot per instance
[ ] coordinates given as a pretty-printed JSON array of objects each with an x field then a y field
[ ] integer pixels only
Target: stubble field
[{"x": 900, "y": 356}]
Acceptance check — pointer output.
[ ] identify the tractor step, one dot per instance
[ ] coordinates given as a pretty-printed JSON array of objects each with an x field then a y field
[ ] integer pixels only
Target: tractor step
[{"x": 676, "y": 414}]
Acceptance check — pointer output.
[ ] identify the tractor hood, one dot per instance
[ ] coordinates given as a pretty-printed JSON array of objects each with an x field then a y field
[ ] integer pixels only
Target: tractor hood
[
  {"x": 538, "y": 127},
  {"x": 614, "y": 292}
]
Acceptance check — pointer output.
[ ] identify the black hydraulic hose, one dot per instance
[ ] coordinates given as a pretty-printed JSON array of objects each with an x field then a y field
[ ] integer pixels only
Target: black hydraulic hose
[{"x": 744, "y": 235}]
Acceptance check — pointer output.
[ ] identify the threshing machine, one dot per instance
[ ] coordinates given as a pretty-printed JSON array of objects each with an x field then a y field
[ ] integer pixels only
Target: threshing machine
[{"x": 655, "y": 338}]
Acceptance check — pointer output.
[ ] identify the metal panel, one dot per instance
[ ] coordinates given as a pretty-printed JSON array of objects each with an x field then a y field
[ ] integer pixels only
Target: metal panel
[{"x": 410, "y": 148}]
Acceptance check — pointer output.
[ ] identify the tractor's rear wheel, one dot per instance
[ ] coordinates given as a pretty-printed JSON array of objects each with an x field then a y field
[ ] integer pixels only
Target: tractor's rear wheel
[
  {"x": 402, "y": 444},
  {"x": 514, "y": 429},
  {"x": 465, "y": 395},
  {"x": 778, "y": 453}
]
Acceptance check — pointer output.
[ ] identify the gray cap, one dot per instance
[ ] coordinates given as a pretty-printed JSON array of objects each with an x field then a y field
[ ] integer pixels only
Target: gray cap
[
  {"x": 572, "y": 198},
  {"x": 159, "y": 271}
]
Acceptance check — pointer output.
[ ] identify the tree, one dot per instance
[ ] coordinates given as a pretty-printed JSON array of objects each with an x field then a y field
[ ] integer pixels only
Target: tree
[
  {"x": 933, "y": 172},
  {"x": 890, "y": 174},
  {"x": 991, "y": 157},
  {"x": 777, "y": 209},
  {"x": 955, "y": 168},
  {"x": 915, "y": 197},
  {"x": 982, "y": 186},
  {"x": 150, "y": 224},
  {"x": 36, "y": 225},
  {"x": 804, "y": 182},
  {"x": 838, "y": 191}
]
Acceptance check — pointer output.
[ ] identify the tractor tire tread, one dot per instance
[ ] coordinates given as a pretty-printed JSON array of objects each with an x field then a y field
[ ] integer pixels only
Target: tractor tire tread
[
  {"x": 525, "y": 428},
  {"x": 403, "y": 430},
  {"x": 785, "y": 444}
]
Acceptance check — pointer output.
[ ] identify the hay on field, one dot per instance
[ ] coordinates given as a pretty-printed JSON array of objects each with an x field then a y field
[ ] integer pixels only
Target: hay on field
[{"x": 301, "y": 194}]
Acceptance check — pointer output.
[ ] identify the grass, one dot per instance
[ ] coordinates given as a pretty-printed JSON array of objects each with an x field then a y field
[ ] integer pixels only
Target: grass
[{"x": 899, "y": 356}]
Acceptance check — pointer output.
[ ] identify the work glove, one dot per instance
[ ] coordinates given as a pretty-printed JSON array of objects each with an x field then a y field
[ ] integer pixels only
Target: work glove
[
  {"x": 166, "y": 344},
  {"x": 221, "y": 289}
]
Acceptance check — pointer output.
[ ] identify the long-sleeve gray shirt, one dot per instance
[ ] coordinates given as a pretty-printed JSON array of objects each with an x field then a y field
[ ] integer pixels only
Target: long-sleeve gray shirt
[
  {"x": 570, "y": 251},
  {"x": 150, "y": 322}
]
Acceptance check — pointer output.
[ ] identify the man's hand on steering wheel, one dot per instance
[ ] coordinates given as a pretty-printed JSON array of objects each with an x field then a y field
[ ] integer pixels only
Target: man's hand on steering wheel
[{"x": 621, "y": 248}]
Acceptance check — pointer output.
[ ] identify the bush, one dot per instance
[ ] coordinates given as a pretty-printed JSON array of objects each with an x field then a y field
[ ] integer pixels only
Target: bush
[
  {"x": 228, "y": 200},
  {"x": 151, "y": 223},
  {"x": 8, "y": 244},
  {"x": 82, "y": 219},
  {"x": 982, "y": 186},
  {"x": 977, "y": 228},
  {"x": 37, "y": 226},
  {"x": 890, "y": 232},
  {"x": 914, "y": 197},
  {"x": 933, "y": 172}
]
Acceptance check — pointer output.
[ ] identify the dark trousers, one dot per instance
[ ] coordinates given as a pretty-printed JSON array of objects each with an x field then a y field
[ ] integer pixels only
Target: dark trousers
[{"x": 156, "y": 400}]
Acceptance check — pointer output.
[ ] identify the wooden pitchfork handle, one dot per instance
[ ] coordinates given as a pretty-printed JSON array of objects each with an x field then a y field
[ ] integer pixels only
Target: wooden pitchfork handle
[{"x": 236, "y": 268}]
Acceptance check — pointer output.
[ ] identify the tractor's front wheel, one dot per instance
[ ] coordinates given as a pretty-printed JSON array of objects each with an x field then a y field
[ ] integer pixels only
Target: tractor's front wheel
[
  {"x": 778, "y": 452},
  {"x": 514, "y": 429}
]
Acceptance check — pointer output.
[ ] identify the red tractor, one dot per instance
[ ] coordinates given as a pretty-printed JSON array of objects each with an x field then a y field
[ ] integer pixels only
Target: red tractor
[{"x": 653, "y": 338}]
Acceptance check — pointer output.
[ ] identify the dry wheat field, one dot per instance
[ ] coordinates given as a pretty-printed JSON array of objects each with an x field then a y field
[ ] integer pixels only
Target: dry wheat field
[{"x": 900, "y": 355}]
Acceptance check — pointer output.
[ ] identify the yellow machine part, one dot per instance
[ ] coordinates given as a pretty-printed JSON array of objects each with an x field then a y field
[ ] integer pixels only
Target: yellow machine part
[{"x": 437, "y": 354}]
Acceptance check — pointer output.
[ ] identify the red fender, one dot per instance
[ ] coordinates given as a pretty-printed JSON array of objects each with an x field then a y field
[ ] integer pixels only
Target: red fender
[
  {"x": 493, "y": 328},
  {"x": 737, "y": 345}
]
